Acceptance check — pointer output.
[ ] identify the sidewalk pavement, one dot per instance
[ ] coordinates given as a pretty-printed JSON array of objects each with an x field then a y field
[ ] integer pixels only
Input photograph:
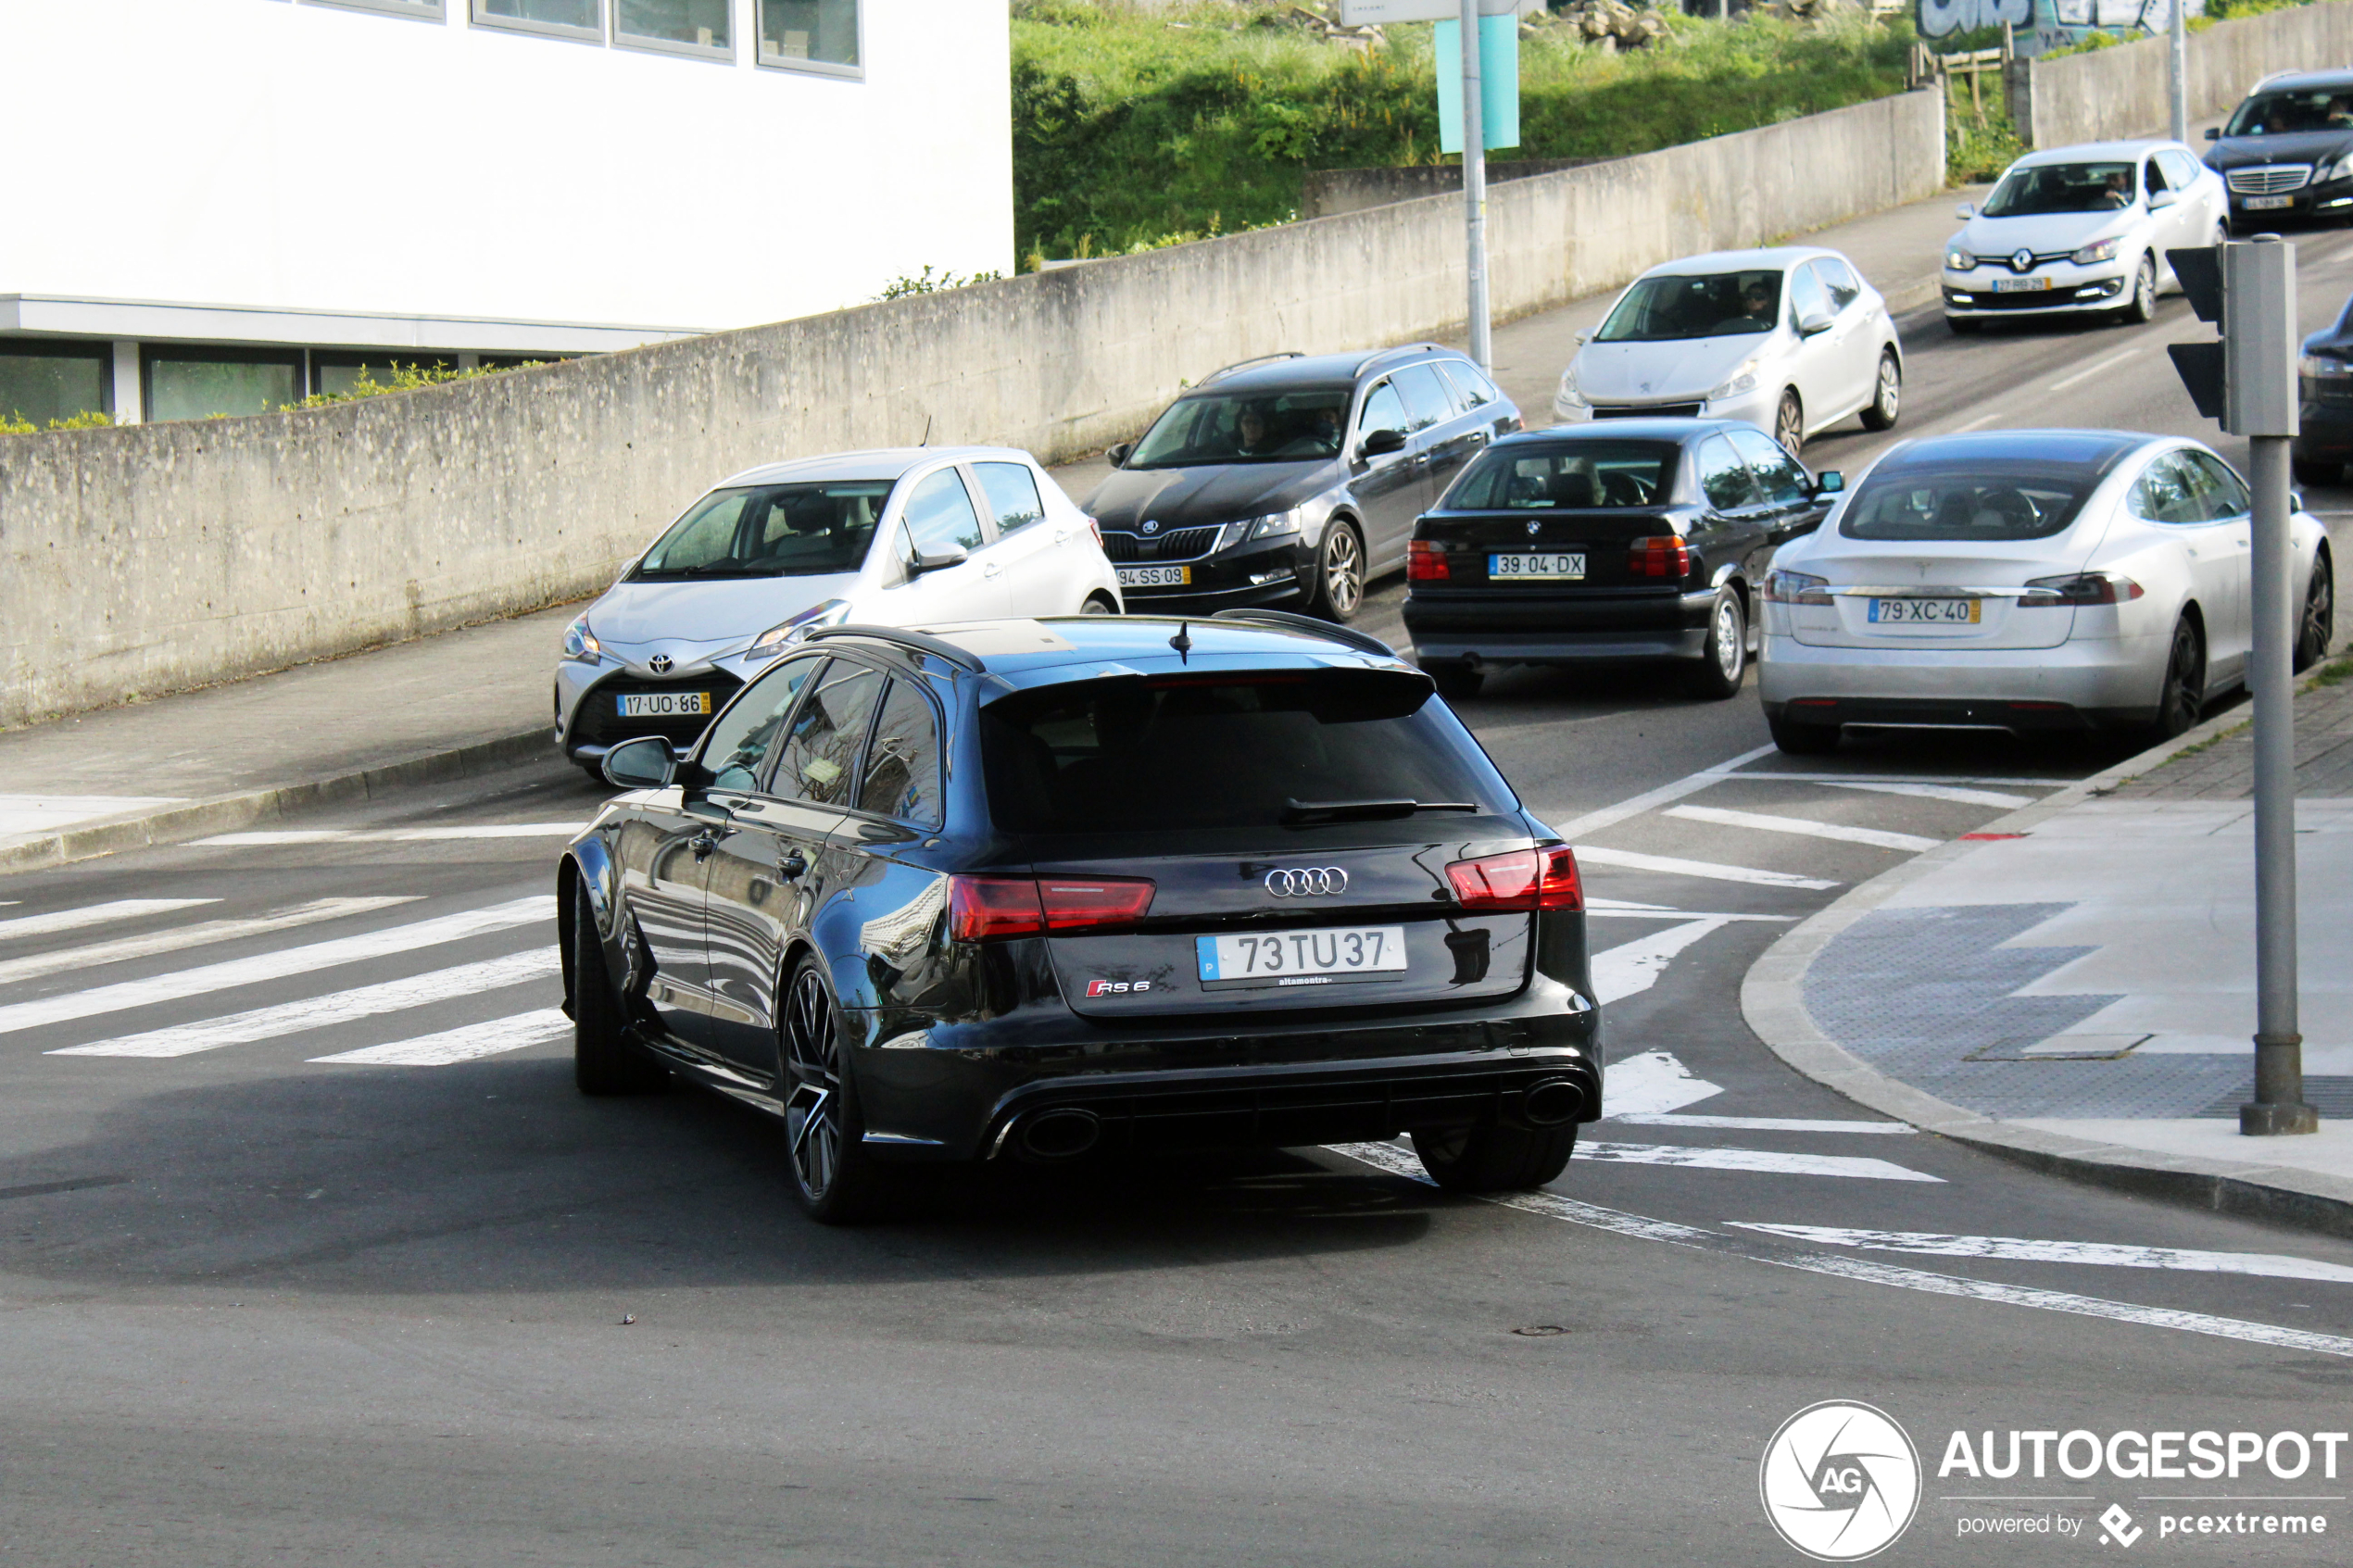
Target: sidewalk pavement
[
  {"x": 2073, "y": 986},
  {"x": 194, "y": 763}
]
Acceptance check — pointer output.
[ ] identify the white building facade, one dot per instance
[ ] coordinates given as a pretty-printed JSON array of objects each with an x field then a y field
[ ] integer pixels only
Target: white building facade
[{"x": 219, "y": 205}]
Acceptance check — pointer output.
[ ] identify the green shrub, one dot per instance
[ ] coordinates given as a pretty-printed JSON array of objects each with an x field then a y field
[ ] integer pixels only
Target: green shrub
[
  {"x": 92, "y": 418},
  {"x": 923, "y": 283}
]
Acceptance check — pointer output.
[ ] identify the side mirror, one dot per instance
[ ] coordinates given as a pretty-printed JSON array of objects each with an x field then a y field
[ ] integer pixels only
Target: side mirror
[
  {"x": 2213, "y": 133},
  {"x": 1584, "y": 337},
  {"x": 936, "y": 560},
  {"x": 1117, "y": 456},
  {"x": 644, "y": 763},
  {"x": 1381, "y": 443},
  {"x": 1830, "y": 482},
  {"x": 1813, "y": 322},
  {"x": 2163, "y": 199},
  {"x": 1965, "y": 211}
]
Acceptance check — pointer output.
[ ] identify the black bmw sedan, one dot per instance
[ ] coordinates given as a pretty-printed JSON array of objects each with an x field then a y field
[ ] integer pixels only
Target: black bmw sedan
[
  {"x": 1029, "y": 889},
  {"x": 1625, "y": 539},
  {"x": 1291, "y": 480}
]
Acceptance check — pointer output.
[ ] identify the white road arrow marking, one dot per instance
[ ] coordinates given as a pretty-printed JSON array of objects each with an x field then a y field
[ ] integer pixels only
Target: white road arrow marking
[
  {"x": 1633, "y": 968},
  {"x": 1652, "y": 1083},
  {"x": 2010, "y": 1248},
  {"x": 1764, "y": 1160},
  {"x": 1804, "y": 828}
]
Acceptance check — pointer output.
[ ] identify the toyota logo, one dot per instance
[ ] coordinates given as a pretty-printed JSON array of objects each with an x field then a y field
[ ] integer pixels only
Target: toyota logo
[
  {"x": 2022, "y": 261},
  {"x": 1306, "y": 881},
  {"x": 658, "y": 664}
]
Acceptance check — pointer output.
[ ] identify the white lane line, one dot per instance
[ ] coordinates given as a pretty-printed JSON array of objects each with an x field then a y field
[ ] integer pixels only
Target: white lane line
[
  {"x": 1763, "y": 1123},
  {"x": 2010, "y": 1248},
  {"x": 394, "y": 835},
  {"x": 463, "y": 1044},
  {"x": 1628, "y": 860},
  {"x": 1764, "y": 1160},
  {"x": 286, "y": 961},
  {"x": 1635, "y": 806},
  {"x": 1397, "y": 1161},
  {"x": 1910, "y": 778},
  {"x": 1649, "y": 1084},
  {"x": 91, "y": 914},
  {"x": 1634, "y": 967},
  {"x": 1936, "y": 792},
  {"x": 203, "y": 934},
  {"x": 324, "y": 1012},
  {"x": 1977, "y": 423},
  {"x": 1760, "y": 823},
  {"x": 1606, "y": 909},
  {"x": 2107, "y": 362}
]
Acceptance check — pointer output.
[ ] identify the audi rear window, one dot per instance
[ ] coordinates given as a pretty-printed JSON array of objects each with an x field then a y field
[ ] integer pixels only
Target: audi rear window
[
  {"x": 1962, "y": 505},
  {"x": 1226, "y": 751}
]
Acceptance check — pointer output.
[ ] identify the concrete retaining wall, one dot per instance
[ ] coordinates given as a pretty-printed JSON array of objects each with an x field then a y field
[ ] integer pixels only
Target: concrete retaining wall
[
  {"x": 1326, "y": 192},
  {"x": 2124, "y": 91},
  {"x": 163, "y": 556}
]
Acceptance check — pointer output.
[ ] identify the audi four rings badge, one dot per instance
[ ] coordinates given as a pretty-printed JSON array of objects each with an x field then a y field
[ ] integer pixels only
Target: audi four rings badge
[{"x": 1306, "y": 881}]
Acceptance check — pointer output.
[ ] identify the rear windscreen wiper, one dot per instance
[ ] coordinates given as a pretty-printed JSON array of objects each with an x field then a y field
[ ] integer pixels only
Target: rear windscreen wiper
[{"x": 1295, "y": 812}]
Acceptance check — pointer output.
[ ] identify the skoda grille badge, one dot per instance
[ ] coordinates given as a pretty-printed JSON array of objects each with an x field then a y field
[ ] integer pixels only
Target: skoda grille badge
[
  {"x": 658, "y": 664},
  {"x": 2021, "y": 261},
  {"x": 1306, "y": 881},
  {"x": 1150, "y": 527}
]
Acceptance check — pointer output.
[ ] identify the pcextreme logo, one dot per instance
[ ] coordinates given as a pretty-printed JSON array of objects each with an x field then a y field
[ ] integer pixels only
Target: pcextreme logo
[{"x": 1840, "y": 1481}]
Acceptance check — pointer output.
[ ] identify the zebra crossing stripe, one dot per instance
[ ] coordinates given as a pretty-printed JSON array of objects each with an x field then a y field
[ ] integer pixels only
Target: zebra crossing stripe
[
  {"x": 202, "y": 934},
  {"x": 91, "y": 914},
  {"x": 391, "y": 836},
  {"x": 1760, "y": 1161},
  {"x": 16, "y": 1017},
  {"x": 325, "y": 1012},
  {"x": 2021, "y": 1250},
  {"x": 1760, "y": 822},
  {"x": 1936, "y": 792},
  {"x": 1671, "y": 865},
  {"x": 463, "y": 1044}
]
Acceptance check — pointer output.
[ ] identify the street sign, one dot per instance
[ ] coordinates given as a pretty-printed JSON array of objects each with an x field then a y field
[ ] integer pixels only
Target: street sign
[
  {"x": 1364, "y": 13},
  {"x": 1498, "y": 84}
]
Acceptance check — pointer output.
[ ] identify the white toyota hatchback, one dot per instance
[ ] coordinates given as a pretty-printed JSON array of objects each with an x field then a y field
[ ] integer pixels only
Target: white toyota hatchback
[
  {"x": 2025, "y": 581},
  {"x": 909, "y": 537},
  {"x": 1791, "y": 340}
]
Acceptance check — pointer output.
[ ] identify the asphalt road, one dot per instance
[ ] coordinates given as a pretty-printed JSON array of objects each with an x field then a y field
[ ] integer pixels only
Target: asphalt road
[{"x": 427, "y": 1305}]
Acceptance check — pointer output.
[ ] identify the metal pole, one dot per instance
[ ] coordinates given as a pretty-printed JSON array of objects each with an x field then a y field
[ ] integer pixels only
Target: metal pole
[
  {"x": 1482, "y": 348},
  {"x": 2279, "y": 1049},
  {"x": 2180, "y": 31}
]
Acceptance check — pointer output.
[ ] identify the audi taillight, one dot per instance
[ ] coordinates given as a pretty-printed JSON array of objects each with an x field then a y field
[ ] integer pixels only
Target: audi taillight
[
  {"x": 1084, "y": 903},
  {"x": 1524, "y": 879},
  {"x": 2082, "y": 588},
  {"x": 984, "y": 908},
  {"x": 1663, "y": 555},
  {"x": 1426, "y": 562}
]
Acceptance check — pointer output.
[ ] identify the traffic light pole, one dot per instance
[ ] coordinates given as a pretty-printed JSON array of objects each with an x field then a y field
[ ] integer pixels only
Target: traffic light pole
[{"x": 2279, "y": 1048}]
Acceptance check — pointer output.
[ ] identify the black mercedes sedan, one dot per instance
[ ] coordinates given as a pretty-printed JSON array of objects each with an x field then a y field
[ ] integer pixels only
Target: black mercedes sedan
[
  {"x": 1291, "y": 480},
  {"x": 2286, "y": 152},
  {"x": 2324, "y": 386},
  {"x": 1032, "y": 889},
  {"x": 1629, "y": 539}
]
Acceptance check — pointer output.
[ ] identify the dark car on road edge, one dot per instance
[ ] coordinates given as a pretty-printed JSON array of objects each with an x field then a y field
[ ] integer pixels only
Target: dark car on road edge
[
  {"x": 2324, "y": 387},
  {"x": 2287, "y": 150},
  {"x": 1635, "y": 539},
  {"x": 1291, "y": 480},
  {"x": 1032, "y": 888}
]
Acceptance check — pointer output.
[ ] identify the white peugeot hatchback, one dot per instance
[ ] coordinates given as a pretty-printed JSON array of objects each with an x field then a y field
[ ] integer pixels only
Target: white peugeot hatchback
[
  {"x": 1791, "y": 340},
  {"x": 2025, "y": 581},
  {"x": 909, "y": 537}
]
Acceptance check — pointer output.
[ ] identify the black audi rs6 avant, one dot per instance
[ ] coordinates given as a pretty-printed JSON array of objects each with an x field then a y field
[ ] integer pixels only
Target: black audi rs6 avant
[{"x": 1036, "y": 889}]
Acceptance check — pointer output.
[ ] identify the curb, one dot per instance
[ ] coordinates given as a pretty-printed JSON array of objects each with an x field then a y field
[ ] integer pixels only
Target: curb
[
  {"x": 227, "y": 813},
  {"x": 1773, "y": 1001}
]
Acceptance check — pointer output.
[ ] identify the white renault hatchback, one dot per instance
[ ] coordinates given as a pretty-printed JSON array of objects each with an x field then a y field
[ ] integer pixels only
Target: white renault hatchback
[
  {"x": 1791, "y": 340},
  {"x": 2024, "y": 580},
  {"x": 907, "y": 537}
]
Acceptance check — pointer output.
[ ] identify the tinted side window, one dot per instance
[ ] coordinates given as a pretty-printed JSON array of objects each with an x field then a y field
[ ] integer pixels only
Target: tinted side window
[
  {"x": 2171, "y": 491},
  {"x": 1013, "y": 494},
  {"x": 826, "y": 733},
  {"x": 1780, "y": 480},
  {"x": 902, "y": 764},
  {"x": 1425, "y": 400},
  {"x": 741, "y": 740},
  {"x": 1839, "y": 280},
  {"x": 1806, "y": 295},
  {"x": 1472, "y": 390},
  {"x": 2226, "y": 494},
  {"x": 940, "y": 513},
  {"x": 1723, "y": 478},
  {"x": 1383, "y": 410}
]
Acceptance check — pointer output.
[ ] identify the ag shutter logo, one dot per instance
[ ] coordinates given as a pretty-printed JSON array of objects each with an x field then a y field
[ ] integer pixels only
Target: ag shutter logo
[{"x": 1840, "y": 1481}]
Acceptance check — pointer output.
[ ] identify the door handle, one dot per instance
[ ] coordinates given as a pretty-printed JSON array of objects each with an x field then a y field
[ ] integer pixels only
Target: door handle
[
  {"x": 703, "y": 843},
  {"x": 791, "y": 866},
  {"x": 991, "y": 570}
]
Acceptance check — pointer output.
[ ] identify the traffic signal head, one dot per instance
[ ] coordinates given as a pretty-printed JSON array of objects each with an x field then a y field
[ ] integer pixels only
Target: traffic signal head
[{"x": 2248, "y": 290}]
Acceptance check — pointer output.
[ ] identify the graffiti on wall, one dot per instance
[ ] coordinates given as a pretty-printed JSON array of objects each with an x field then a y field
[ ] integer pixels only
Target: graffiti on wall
[{"x": 1941, "y": 19}]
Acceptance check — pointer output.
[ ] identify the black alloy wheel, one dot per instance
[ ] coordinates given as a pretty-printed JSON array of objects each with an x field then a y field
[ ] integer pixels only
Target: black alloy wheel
[
  {"x": 1456, "y": 678},
  {"x": 605, "y": 1061},
  {"x": 1789, "y": 421},
  {"x": 1494, "y": 1158},
  {"x": 1719, "y": 671},
  {"x": 833, "y": 1176},
  {"x": 2182, "y": 700},
  {"x": 1887, "y": 396},
  {"x": 1800, "y": 739},
  {"x": 2318, "y": 626},
  {"x": 2141, "y": 307},
  {"x": 1339, "y": 574}
]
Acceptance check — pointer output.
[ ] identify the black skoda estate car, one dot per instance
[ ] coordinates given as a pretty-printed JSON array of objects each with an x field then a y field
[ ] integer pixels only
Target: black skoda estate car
[
  {"x": 2286, "y": 152},
  {"x": 1030, "y": 889},
  {"x": 1634, "y": 539},
  {"x": 1291, "y": 480}
]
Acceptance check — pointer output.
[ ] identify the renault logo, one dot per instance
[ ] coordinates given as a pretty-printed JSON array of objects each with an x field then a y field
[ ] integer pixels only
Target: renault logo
[
  {"x": 2022, "y": 261},
  {"x": 658, "y": 664},
  {"x": 1306, "y": 881},
  {"x": 1151, "y": 527}
]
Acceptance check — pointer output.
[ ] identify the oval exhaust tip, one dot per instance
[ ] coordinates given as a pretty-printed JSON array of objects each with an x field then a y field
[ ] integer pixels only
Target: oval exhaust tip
[
  {"x": 1551, "y": 1103},
  {"x": 1062, "y": 1134}
]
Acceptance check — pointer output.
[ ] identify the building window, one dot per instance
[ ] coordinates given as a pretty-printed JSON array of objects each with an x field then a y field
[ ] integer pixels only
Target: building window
[
  {"x": 196, "y": 383},
  {"x": 44, "y": 382},
  {"x": 338, "y": 372},
  {"x": 430, "y": 10},
  {"x": 562, "y": 18},
  {"x": 811, "y": 35},
  {"x": 682, "y": 27}
]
